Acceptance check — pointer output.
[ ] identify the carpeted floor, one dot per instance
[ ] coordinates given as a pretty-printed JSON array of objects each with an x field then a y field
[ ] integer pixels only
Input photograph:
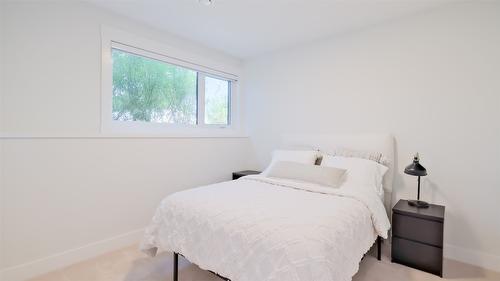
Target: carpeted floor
[{"x": 130, "y": 265}]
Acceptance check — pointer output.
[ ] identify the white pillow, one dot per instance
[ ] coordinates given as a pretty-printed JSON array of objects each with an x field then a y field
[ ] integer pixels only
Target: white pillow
[
  {"x": 359, "y": 171},
  {"x": 298, "y": 156},
  {"x": 306, "y": 172}
]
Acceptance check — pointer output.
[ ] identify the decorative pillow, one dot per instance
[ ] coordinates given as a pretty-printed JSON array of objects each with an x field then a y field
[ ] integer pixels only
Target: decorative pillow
[
  {"x": 359, "y": 171},
  {"x": 370, "y": 155},
  {"x": 298, "y": 156},
  {"x": 323, "y": 175}
]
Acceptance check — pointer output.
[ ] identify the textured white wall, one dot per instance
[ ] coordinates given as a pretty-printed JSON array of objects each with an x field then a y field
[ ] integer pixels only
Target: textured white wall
[
  {"x": 63, "y": 193},
  {"x": 433, "y": 80}
]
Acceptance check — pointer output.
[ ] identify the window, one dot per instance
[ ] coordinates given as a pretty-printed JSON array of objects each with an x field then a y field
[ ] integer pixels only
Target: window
[
  {"x": 146, "y": 91},
  {"x": 149, "y": 90},
  {"x": 217, "y": 95}
]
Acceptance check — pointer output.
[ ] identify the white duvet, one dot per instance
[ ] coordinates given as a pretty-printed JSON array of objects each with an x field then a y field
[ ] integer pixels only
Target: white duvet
[{"x": 258, "y": 229}]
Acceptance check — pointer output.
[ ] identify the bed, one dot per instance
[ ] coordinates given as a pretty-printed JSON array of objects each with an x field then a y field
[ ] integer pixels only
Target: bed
[{"x": 263, "y": 228}]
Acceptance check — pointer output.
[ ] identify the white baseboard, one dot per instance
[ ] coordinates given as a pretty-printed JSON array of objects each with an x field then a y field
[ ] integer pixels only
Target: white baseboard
[
  {"x": 481, "y": 259},
  {"x": 60, "y": 260}
]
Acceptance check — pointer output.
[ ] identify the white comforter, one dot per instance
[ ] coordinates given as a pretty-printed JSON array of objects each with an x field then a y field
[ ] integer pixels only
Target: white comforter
[{"x": 258, "y": 228}]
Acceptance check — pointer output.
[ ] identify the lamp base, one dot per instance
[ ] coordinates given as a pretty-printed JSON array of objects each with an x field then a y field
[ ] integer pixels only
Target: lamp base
[{"x": 418, "y": 203}]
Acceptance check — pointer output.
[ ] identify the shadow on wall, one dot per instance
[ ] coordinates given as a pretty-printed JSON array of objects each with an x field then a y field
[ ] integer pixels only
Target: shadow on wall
[{"x": 453, "y": 217}]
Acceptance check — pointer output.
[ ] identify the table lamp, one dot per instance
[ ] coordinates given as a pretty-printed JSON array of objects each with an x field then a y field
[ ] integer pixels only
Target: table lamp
[{"x": 415, "y": 169}]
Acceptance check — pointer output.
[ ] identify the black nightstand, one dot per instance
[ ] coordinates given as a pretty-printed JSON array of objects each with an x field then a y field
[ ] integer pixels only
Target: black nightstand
[
  {"x": 417, "y": 236},
  {"x": 237, "y": 175}
]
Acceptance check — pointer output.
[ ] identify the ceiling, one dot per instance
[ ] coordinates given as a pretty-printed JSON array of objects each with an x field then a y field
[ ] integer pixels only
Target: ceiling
[{"x": 248, "y": 28}]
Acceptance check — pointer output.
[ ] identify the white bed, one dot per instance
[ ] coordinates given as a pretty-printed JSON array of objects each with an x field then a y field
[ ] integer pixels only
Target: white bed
[{"x": 259, "y": 228}]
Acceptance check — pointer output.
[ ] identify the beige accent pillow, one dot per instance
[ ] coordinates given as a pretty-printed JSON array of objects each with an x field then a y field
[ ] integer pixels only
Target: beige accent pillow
[
  {"x": 299, "y": 156},
  {"x": 323, "y": 175}
]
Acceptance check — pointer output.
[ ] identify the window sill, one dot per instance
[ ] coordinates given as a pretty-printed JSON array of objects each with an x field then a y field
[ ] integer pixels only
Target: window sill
[{"x": 160, "y": 130}]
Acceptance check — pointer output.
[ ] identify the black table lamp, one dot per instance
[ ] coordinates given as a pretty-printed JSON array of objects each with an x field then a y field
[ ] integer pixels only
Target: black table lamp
[{"x": 415, "y": 169}]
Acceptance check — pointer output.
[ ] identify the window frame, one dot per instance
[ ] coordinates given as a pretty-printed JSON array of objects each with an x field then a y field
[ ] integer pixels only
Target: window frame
[{"x": 117, "y": 39}]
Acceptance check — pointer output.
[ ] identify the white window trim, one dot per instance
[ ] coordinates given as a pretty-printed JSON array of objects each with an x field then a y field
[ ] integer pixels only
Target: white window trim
[{"x": 113, "y": 37}]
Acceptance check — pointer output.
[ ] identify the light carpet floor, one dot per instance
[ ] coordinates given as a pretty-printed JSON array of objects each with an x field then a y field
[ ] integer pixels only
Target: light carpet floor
[{"x": 130, "y": 265}]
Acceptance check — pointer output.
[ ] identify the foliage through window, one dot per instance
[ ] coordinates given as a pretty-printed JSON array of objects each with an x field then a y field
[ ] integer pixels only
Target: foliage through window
[
  {"x": 216, "y": 100},
  {"x": 151, "y": 90}
]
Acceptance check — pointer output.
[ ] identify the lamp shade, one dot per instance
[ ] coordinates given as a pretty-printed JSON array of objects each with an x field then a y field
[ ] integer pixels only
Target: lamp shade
[{"x": 415, "y": 169}]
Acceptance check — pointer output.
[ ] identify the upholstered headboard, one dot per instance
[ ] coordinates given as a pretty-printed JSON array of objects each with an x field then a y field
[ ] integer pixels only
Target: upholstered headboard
[{"x": 383, "y": 143}]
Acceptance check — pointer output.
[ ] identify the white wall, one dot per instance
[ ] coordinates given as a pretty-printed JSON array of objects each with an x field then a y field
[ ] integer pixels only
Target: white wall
[
  {"x": 65, "y": 187},
  {"x": 433, "y": 80},
  {"x": 1, "y": 140}
]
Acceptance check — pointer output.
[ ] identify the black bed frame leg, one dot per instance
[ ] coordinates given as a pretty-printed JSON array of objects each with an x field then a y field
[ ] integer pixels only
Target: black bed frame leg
[
  {"x": 379, "y": 248},
  {"x": 176, "y": 267}
]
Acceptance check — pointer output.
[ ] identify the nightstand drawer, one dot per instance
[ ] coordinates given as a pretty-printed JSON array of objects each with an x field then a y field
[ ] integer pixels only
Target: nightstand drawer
[
  {"x": 417, "y": 255},
  {"x": 416, "y": 229}
]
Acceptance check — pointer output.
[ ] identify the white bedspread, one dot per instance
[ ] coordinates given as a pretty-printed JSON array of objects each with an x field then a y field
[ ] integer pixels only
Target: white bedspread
[{"x": 258, "y": 229}]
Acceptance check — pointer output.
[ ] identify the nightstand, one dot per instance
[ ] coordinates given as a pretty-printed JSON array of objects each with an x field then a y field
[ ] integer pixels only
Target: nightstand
[
  {"x": 417, "y": 236},
  {"x": 237, "y": 175}
]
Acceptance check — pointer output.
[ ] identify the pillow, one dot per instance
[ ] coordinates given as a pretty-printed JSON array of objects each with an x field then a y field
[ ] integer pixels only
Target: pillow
[
  {"x": 359, "y": 171},
  {"x": 369, "y": 155},
  {"x": 306, "y": 172},
  {"x": 298, "y": 156}
]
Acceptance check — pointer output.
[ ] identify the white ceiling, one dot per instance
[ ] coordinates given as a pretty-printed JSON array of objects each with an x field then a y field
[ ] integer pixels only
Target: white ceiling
[{"x": 248, "y": 28}]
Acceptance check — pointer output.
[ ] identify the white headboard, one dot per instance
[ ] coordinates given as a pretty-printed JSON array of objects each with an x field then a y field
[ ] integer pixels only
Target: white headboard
[{"x": 383, "y": 143}]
